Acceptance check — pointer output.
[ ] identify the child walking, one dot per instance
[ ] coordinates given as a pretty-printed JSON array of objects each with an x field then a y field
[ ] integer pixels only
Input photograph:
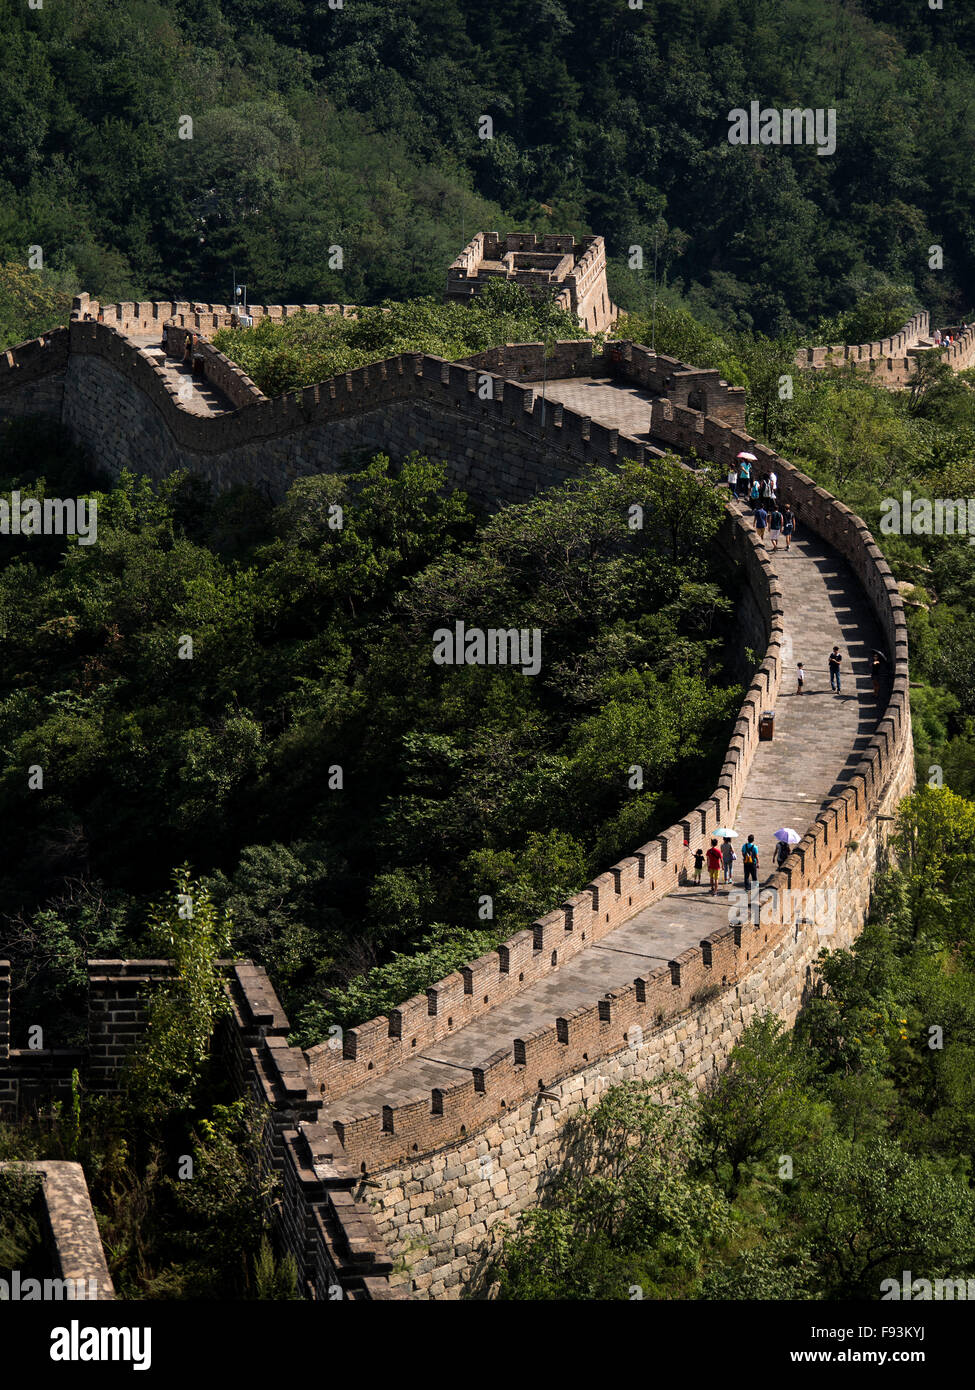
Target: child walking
[{"x": 698, "y": 864}]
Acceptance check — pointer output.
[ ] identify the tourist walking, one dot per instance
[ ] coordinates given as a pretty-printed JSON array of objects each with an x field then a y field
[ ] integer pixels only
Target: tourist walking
[
  {"x": 773, "y": 482},
  {"x": 754, "y": 494},
  {"x": 714, "y": 865},
  {"x": 788, "y": 524},
  {"x": 749, "y": 859},
  {"x": 728, "y": 857},
  {"x": 744, "y": 477},
  {"x": 698, "y": 864},
  {"x": 733, "y": 478},
  {"x": 875, "y": 670},
  {"x": 761, "y": 521},
  {"x": 800, "y": 678},
  {"x": 834, "y": 669},
  {"x": 782, "y": 851},
  {"x": 775, "y": 526}
]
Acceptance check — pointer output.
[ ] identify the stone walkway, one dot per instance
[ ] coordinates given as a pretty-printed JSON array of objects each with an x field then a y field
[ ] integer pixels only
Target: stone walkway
[
  {"x": 197, "y": 396},
  {"x": 819, "y": 739}
]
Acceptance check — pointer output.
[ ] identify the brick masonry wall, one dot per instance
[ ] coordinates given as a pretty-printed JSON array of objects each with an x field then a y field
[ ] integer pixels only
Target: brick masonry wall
[
  {"x": 894, "y": 346},
  {"x": 32, "y": 376},
  {"x": 70, "y": 1228},
  {"x": 503, "y": 450},
  {"x": 225, "y": 375},
  {"x": 146, "y": 318},
  {"x": 336, "y": 1245},
  {"x": 443, "y": 1214}
]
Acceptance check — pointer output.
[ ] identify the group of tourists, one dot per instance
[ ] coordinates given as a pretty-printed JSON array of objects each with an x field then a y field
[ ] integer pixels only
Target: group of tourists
[
  {"x": 749, "y": 488},
  {"x": 761, "y": 494},
  {"x": 946, "y": 338},
  {"x": 777, "y": 522},
  {"x": 723, "y": 857}
]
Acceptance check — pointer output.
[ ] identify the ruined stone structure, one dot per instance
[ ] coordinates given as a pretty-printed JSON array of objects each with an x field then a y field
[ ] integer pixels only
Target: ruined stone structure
[
  {"x": 336, "y": 1244},
  {"x": 451, "y": 1149},
  {"x": 574, "y": 273},
  {"x": 70, "y": 1229}
]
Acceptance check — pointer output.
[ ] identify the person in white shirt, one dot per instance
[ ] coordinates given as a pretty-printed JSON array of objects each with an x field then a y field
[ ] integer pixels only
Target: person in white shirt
[{"x": 773, "y": 482}]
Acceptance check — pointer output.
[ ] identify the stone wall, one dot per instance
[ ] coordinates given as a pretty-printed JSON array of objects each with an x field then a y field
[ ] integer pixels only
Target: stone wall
[
  {"x": 961, "y": 353},
  {"x": 212, "y": 365},
  {"x": 837, "y": 354},
  {"x": 335, "y": 1243},
  {"x": 891, "y": 361},
  {"x": 505, "y": 449},
  {"x": 70, "y": 1228},
  {"x": 145, "y": 318},
  {"x": 445, "y": 1213},
  {"x": 576, "y": 275},
  {"x": 32, "y": 376}
]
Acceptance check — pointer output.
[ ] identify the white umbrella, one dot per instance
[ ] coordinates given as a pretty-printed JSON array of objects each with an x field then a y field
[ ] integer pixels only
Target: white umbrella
[
  {"x": 787, "y": 836},
  {"x": 724, "y": 834},
  {"x": 752, "y": 458}
]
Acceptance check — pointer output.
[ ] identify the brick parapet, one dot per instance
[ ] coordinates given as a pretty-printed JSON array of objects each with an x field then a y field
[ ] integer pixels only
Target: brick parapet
[
  {"x": 381, "y": 1137},
  {"x": 226, "y": 376},
  {"x": 649, "y": 872},
  {"x": 146, "y": 317},
  {"x": 31, "y": 361},
  {"x": 886, "y": 358}
]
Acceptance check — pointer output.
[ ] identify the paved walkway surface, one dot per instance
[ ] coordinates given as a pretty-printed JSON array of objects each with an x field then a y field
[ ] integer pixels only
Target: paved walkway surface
[
  {"x": 197, "y": 395},
  {"x": 819, "y": 739},
  {"x": 611, "y": 402}
]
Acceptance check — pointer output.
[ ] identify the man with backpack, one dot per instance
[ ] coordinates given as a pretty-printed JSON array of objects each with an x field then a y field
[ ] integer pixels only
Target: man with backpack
[{"x": 749, "y": 858}]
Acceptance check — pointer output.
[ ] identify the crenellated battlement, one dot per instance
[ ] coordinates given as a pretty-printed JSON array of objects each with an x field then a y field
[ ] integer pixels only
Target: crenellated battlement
[
  {"x": 147, "y": 318},
  {"x": 889, "y": 360},
  {"x": 335, "y": 1242},
  {"x": 506, "y": 445}
]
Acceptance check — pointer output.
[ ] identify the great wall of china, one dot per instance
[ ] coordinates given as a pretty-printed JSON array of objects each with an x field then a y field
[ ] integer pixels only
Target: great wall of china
[
  {"x": 892, "y": 361},
  {"x": 403, "y": 1151}
]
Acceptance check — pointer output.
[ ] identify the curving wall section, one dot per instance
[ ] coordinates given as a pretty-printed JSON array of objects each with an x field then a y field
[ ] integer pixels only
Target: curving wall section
[
  {"x": 688, "y": 1012},
  {"x": 886, "y": 356}
]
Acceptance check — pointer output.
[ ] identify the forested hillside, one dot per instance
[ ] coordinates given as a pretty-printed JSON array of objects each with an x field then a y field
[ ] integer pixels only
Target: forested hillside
[
  {"x": 358, "y": 127},
  {"x": 349, "y": 800}
]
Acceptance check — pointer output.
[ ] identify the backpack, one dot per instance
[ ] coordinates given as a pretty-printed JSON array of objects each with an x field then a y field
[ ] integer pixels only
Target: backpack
[{"x": 749, "y": 853}]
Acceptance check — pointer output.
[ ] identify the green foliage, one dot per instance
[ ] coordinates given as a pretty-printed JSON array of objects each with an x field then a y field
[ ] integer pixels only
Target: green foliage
[
  {"x": 759, "y": 1106},
  {"x": 167, "y": 1063},
  {"x": 307, "y": 348},
  {"x": 630, "y": 1216},
  {"x": 274, "y": 1279},
  {"x": 474, "y": 799},
  {"x": 876, "y": 314},
  {"x": 31, "y": 302},
  {"x": 818, "y": 1163},
  {"x": 362, "y": 133},
  {"x": 21, "y": 1239}
]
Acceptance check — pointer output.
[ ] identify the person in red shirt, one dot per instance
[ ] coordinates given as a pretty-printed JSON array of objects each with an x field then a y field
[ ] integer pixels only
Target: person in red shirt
[{"x": 714, "y": 865}]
